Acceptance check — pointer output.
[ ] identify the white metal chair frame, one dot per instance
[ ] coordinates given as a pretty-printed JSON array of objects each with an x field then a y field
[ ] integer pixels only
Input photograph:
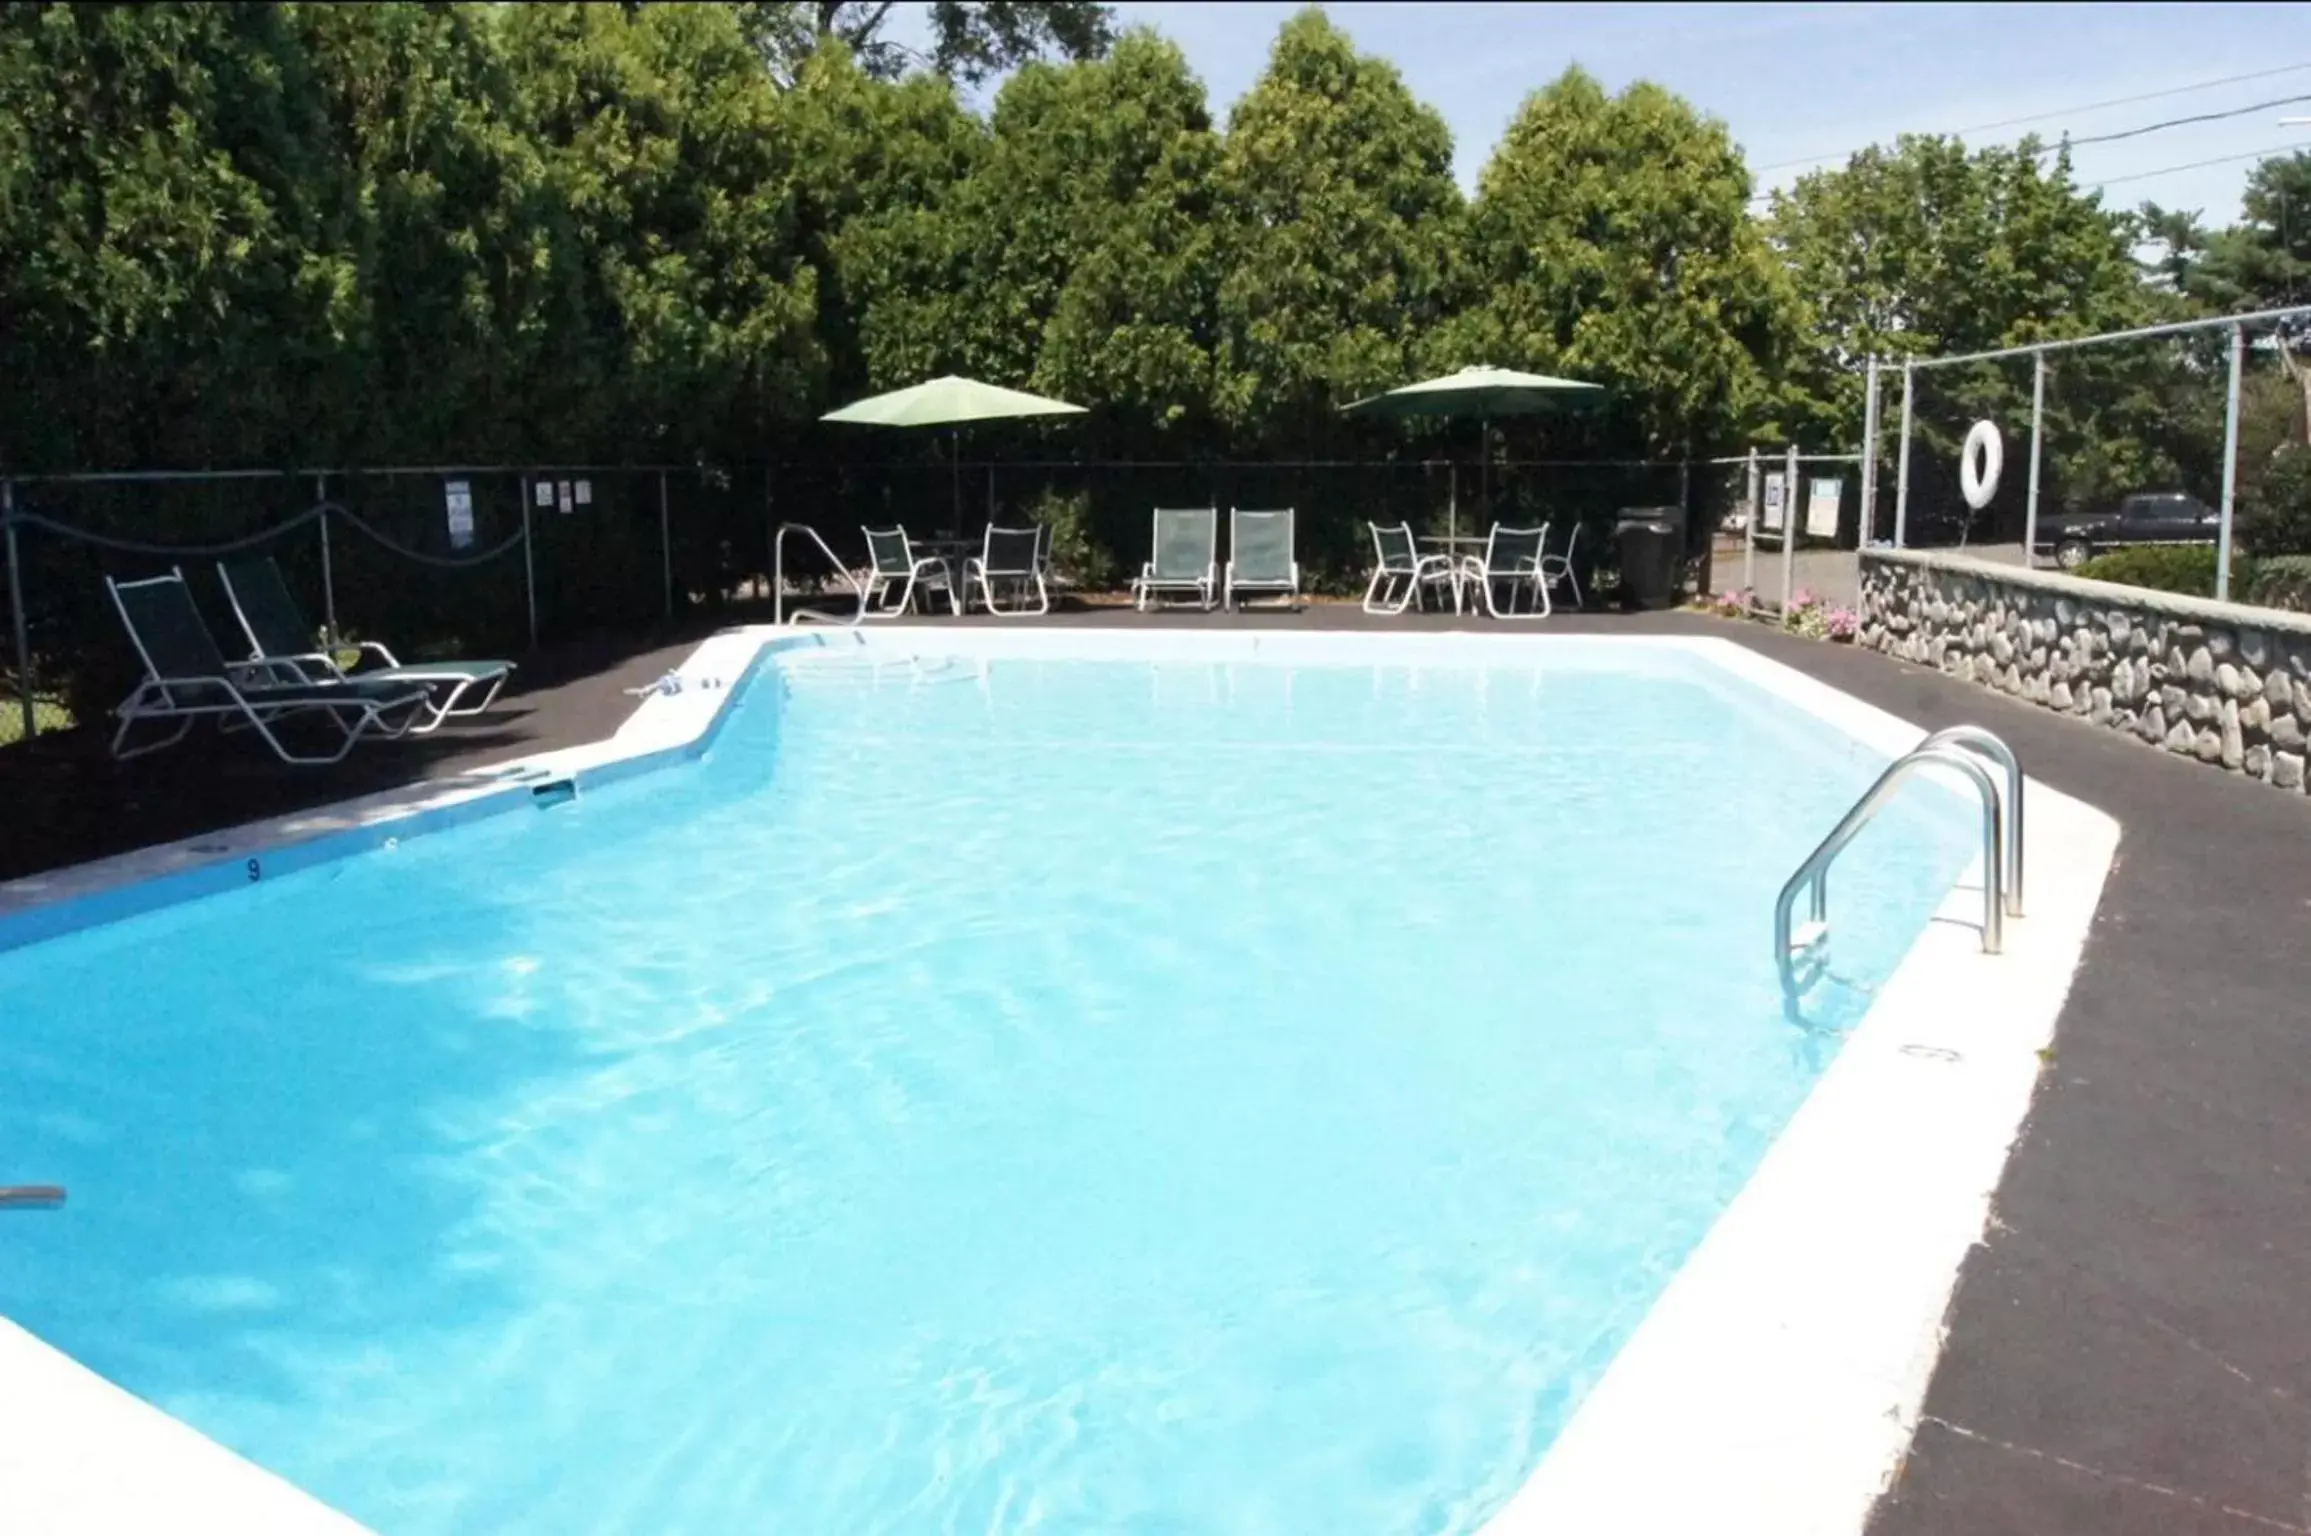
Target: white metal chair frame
[
  {"x": 317, "y": 667},
  {"x": 1145, "y": 590},
  {"x": 1028, "y": 577},
  {"x": 1287, "y": 587},
  {"x": 236, "y": 697},
  {"x": 906, "y": 572},
  {"x": 1559, "y": 567},
  {"x": 1407, "y": 565},
  {"x": 1525, "y": 572}
]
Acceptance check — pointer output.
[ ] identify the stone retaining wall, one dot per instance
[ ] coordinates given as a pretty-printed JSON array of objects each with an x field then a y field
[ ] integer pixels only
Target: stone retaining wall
[{"x": 2221, "y": 682}]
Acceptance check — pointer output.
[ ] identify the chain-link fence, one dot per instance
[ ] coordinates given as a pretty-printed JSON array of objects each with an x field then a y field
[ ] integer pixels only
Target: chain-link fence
[
  {"x": 2175, "y": 457},
  {"x": 1101, "y": 513},
  {"x": 435, "y": 561}
]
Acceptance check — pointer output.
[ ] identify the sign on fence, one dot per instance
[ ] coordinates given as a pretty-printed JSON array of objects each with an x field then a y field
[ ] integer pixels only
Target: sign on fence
[
  {"x": 1821, "y": 507},
  {"x": 1771, "y": 522},
  {"x": 459, "y": 495},
  {"x": 585, "y": 493}
]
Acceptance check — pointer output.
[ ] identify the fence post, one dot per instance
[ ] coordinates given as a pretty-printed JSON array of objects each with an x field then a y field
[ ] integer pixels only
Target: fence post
[
  {"x": 529, "y": 564},
  {"x": 2037, "y": 435},
  {"x": 1902, "y": 463},
  {"x": 2230, "y": 466},
  {"x": 666, "y": 546},
  {"x": 328, "y": 576},
  {"x": 1788, "y": 530},
  {"x": 16, "y": 608},
  {"x": 1869, "y": 521},
  {"x": 1749, "y": 530}
]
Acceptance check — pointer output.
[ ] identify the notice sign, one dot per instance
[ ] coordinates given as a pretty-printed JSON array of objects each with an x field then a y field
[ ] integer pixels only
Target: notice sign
[
  {"x": 585, "y": 493},
  {"x": 562, "y": 488},
  {"x": 1771, "y": 522},
  {"x": 459, "y": 495},
  {"x": 1821, "y": 507},
  {"x": 545, "y": 496}
]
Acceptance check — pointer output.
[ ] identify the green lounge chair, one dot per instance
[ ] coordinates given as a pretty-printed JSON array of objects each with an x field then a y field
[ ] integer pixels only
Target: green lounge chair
[
  {"x": 278, "y": 635},
  {"x": 187, "y": 680},
  {"x": 1260, "y": 556},
  {"x": 1186, "y": 556}
]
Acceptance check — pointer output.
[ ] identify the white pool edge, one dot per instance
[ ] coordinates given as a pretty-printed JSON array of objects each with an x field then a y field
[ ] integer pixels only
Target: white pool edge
[
  {"x": 1772, "y": 1388},
  {"x": 1775, "y": 1385}
]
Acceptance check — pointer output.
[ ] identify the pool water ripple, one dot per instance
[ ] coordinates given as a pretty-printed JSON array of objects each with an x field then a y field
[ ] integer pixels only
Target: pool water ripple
[{"x": 1056, "y": 1096}]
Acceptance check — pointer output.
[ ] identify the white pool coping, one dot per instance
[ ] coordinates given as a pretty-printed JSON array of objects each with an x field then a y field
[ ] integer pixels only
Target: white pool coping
[{"x": 1772, "y": 1388}]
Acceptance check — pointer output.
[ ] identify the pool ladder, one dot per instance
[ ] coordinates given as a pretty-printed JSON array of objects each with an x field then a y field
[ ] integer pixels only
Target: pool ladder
[
  {"x": 778, "y": 608},
  {"x": 1963, "y": 749}
]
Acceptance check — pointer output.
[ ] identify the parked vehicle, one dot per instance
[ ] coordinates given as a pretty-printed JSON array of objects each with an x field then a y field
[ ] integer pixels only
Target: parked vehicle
[{"x": 2146, "y": 517}]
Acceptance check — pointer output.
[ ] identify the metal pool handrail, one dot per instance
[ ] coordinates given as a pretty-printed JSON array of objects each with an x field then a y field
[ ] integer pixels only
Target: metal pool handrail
[
  {"x": 1814, "y": 872},
  {"x": 1989, "y": 745},
  {"x": 778, "y": 579}
]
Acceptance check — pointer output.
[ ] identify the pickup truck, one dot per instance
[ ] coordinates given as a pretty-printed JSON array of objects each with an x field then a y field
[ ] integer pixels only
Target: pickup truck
[{"x": 2146, "y": 517}]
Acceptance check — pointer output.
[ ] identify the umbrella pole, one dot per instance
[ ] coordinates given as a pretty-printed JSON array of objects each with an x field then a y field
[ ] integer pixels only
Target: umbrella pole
[
  {"x": 1451, "y": 505},
  {"x": 955, "y": 479}
]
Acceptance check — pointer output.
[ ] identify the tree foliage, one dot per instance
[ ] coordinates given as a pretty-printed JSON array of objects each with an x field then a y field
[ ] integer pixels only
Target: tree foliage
[
  {"x": 1338, "y": 211},
  {"x": 1611, "y": 241},
  {"x": 969, "y": 42}
]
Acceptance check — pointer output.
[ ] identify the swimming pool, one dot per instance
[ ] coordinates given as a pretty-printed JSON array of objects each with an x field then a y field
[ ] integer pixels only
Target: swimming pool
[{"x": 1004, "y": 1091}]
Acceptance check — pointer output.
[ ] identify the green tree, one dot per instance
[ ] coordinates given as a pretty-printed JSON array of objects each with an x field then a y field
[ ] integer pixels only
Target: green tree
[
  {"x": 674, "y": 189},
  {"x": 1929, "y": 248},
  {"x": 880, "y": 164},
  {"x": 1094, "y": 252},
  {"x": 969, "y": 42},
  {"x": 1611, "y": 241},
  {"x": 173, "y": 264},
  {"x": 1338, "y": 209},
  {"x": 2264, "y": 260}
]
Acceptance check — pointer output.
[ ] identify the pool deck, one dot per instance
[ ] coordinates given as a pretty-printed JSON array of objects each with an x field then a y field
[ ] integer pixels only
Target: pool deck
[{"x": 2131, "y": 1349}]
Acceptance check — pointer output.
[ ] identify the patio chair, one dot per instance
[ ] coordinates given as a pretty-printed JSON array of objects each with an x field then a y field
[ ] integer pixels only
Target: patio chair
[
  {"x": 278, "y": 634},
  {"x": 1013, "y": 556},
  {"x": 892, "y": 562},
  {"x": 187, "y": 680},
  {"x": 1559, "y": 567},
  {"x": 1402, "y": 573},
  {"x": 1260, "y": 556},
  {"x": 1186, "y": 556},
  {"x": 1511, "y": 560}
]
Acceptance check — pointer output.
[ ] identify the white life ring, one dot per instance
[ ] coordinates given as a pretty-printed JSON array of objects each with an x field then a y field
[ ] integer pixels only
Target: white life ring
[{"x": 1978, "y": 465}]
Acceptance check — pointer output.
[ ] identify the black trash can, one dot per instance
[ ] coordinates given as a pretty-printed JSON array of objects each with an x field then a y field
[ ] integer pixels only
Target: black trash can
[{"x": 1652, "y": 543}]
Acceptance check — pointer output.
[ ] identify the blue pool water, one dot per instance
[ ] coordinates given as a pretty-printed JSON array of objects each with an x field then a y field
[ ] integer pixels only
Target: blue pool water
[{"x": 1039, "y": 1096}]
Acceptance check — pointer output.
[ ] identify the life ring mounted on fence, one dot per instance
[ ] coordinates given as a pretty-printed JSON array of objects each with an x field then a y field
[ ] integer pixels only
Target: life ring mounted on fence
[{"x": 1978, "y": 465}]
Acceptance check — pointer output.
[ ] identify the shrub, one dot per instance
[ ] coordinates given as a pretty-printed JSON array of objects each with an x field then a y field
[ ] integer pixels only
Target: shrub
[
  {"x": 1843, "y": 624},
  {"x": 2185, "y": 568},
  {"x": 2275, "y": 512},
  {"x": 1081, "y": 559},
  {"x": 2279, "y": 581}
]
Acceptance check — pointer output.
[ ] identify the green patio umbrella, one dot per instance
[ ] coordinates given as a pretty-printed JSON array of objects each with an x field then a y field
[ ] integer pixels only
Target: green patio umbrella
[
  {"x": 949, "y": 402},
  {"x": 1483, "y": 393}
]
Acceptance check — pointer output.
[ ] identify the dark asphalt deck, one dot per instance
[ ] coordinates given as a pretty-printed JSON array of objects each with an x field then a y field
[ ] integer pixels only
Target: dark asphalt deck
[{"x": 2130, "y": 1351}]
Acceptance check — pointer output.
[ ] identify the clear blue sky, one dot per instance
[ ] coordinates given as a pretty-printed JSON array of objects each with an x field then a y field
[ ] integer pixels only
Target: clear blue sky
[{"x": 1797, "y": 81}]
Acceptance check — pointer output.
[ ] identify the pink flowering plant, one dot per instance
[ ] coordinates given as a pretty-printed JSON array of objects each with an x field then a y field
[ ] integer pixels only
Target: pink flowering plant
[
  {"x": 1733, "y": 605},
  {"x": 1843, "y": 625}
]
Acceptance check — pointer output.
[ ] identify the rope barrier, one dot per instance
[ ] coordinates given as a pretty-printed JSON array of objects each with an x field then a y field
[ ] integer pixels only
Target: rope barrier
[
  {"x": 138, "y": 547},
  {"x": 310, "y": 514},
  {"x": 446, "y": 562}
]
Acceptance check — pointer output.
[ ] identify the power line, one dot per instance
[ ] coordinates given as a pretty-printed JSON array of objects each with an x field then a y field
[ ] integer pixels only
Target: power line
[
  {"x": 2192, "y": 165},
  {"x": 2176, "y": 122},
  {"x": 2092, "y": 106}
]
